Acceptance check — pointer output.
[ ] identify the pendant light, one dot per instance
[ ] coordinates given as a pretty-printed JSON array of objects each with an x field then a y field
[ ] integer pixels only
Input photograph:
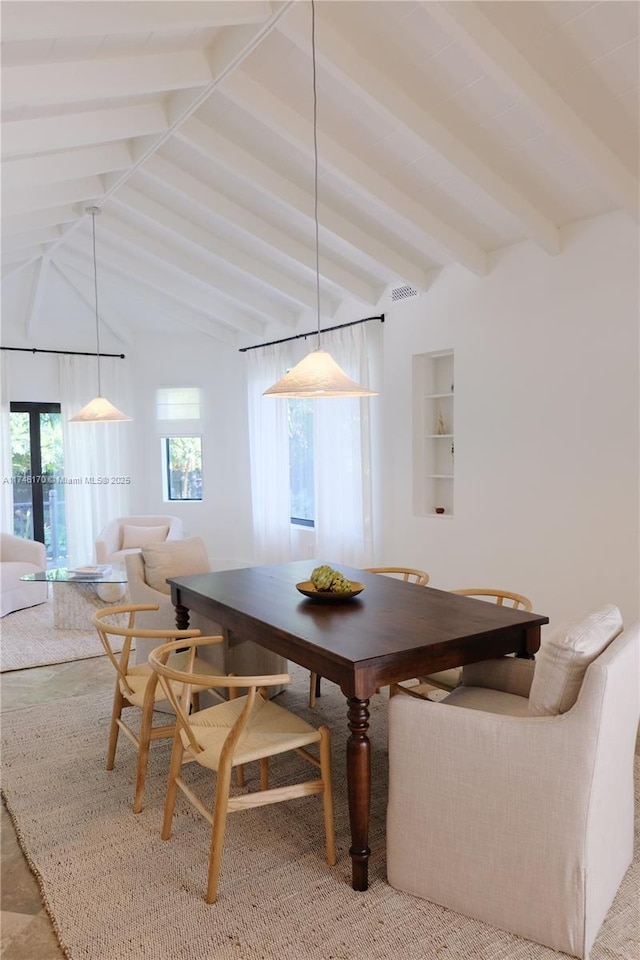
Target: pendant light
[
  {"x": 98, "y": 410},
  {"x": 317, "y": 375}
]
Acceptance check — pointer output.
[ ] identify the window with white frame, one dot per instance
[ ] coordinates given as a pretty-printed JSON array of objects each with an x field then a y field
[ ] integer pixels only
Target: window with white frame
[{"x": 178, "y": 416}]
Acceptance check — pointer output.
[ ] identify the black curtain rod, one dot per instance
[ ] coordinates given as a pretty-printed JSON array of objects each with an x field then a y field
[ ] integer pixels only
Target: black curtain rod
[
  {"x": 66, "y": 353},
  {"x": 311, "y": 333}
]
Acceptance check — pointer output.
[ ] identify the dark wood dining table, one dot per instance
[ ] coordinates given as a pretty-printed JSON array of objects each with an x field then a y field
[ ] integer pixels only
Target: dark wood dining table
[{"x": 392, "y": 631}]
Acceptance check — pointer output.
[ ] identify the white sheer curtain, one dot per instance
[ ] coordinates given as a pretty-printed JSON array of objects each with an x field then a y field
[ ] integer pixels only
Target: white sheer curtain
[
  {"x": 96, "y": 455},
  {"x": 342, "y": 456},
  {"x": 342, "y": 459},
  {"x": 269, "y": 451},
  {"x": 6, "y": 509}
]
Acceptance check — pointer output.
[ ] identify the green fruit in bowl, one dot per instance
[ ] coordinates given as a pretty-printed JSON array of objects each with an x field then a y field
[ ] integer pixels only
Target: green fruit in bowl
[
  {"x": 322, "y": 576},
  {"x": 327, "y": 579},
  {"x": 340, "y": 584}
]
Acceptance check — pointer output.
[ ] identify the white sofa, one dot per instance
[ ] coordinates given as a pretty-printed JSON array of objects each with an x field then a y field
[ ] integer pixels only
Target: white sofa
[
  {"x": 512, "y": 800},
  {"x": 17, "y": 558},
  {"x": 126, "y": 535}
]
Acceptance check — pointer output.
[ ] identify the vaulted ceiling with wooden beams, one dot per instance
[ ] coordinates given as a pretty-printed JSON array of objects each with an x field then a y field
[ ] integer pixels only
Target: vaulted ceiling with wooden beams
[{"x": 446, "y": 131}]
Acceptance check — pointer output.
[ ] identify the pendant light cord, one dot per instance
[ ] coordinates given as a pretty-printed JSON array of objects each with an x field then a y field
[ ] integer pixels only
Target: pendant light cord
[
  {"x": 315, "y": 162},
  {"x": 95, "y": 290}
]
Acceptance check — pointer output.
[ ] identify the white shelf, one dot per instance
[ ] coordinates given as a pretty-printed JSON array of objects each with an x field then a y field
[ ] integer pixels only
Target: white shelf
[{"x": 433, "y": 410}]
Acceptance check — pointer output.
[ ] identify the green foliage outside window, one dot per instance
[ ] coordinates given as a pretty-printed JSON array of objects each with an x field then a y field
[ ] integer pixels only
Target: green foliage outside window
[{"x": 184, "y": 468}]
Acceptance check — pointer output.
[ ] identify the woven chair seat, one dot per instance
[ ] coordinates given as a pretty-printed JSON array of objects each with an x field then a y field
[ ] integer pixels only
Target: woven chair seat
[
  {"x": 138, "y": 677},
  {"x": 270, "y": 730}
]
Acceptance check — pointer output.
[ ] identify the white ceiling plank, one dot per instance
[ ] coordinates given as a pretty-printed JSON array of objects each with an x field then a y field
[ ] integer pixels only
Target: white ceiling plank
[
  {"x": 230, "y": 49},
  {"x": 152, "y": 301},
  {"x": 51, "y": 195},
  {"x": 282, "y": 244},
  {"x": 189, "y": 106},
  {"x": 10, "y": 268},
  {"x": 476, "y": 35},
  {"x": 75, "y": 81},
  {"x": 31, "y": 238},
  {"x": 442, "y": 240},
  {"x": 243, "y": 164},
  {"x": 85, "y": 293},
  {"x": 37, "y": 294},
  {"x": 169, "y": 284},
  {"x": 368, "y": 82},
  {"x": 51, "y": 21},
  {"x": 65, "y": 165},
  {"x": 190, "y": 234},
  {"x": 22, "y": 223},
  {"x": 69, "y": 130},
  {"x": 172, "y": 258}
]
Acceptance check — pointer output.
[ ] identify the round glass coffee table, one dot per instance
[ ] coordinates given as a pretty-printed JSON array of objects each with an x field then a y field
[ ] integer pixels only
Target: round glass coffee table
[{"x": 76, "y": 598}]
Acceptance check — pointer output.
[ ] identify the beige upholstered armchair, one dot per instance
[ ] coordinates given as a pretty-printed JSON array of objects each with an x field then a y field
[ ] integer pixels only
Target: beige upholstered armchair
[
  {"x": 126, "y": 535},
  {"x": 147, "y": 573},
  {"x": 17, "y": 558},
  {"x": 512, "y": 800}
]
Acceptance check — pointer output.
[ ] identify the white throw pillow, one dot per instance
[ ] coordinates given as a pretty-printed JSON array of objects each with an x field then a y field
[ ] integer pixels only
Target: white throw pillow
[
  {"x": 140, "y": 536},
  {"x": 174, "y": 558},
  {"x": 564, "y": 656}
]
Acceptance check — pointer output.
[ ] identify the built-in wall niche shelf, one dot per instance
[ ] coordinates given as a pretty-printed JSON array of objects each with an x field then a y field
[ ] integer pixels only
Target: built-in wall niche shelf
[{"x": 433, "y": 434}]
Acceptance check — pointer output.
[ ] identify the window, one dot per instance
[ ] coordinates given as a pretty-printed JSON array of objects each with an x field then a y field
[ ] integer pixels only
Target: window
[
  {"x": 179, "y": 425},
  {"x": 300, "y": 420},
  {"x": 184, "y": 468},
  {"x": 38, "y": 477}
]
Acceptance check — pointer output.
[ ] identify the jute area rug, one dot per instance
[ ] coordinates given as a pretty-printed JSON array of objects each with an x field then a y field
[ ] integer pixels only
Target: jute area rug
[
  {"x": 116, "y": 891},
  {"x": 28, "y": 638}
]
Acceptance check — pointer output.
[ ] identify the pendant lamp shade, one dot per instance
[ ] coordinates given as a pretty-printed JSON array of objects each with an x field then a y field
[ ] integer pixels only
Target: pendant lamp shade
[
  {"x": 317, "y": 375},
  {"x": 98, "y": 410}
]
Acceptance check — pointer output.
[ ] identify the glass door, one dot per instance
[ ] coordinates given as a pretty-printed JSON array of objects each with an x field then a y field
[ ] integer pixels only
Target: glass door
[{"x": 38, "y": 477}]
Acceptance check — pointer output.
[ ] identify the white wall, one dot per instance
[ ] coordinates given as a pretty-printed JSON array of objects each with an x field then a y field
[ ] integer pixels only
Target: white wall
[
  {"x": 223, "y": 517},
  {"x": 546, "y": 424}
]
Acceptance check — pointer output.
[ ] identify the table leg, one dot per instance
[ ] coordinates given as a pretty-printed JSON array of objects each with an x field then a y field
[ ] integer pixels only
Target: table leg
[
  {"x": 531, "y": 644},
  {"x": 182, "y": 617},
  {"x": 359, "y": 790}
]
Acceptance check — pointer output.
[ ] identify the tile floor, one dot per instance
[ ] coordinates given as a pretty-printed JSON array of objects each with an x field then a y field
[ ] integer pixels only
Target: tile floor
[{"x": 26, "y": 932}]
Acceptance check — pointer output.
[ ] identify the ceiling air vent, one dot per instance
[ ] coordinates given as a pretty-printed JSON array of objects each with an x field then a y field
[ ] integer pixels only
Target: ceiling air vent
[{"x": 405, "y": 292}]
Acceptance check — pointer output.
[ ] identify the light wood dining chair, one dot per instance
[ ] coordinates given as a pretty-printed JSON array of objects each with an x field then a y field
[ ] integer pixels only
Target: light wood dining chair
[
  {"x": 409, "y": 575},
  {"x": 137, "y": 686},
  {"x": 448, "y": 680},
  {"x": 231, "y": 734}
]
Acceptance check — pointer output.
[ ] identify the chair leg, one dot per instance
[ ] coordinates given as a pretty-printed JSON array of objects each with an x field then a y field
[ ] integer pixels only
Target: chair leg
[
  {"x": 264, "y": 773},
  {"x": 314, "y": 688},
  {"x": 172, "y": 786},
  {"x": 327, "y": 795},
  {"x": 114, "y": 730},
  {"x": 220, "y": 804},
  {"x": 143, "y": 757}
]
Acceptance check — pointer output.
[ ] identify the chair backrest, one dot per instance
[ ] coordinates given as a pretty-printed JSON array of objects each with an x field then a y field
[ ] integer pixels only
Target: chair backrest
[
  {"x": 127, "y": 533},
  {"x": 408, "y": 574},
  {"x": 517, "y": 600},
  {"x": 22, "y": 550},
  {"x": 107, "y": 629},
  {"x": 177, "y": 683}
]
